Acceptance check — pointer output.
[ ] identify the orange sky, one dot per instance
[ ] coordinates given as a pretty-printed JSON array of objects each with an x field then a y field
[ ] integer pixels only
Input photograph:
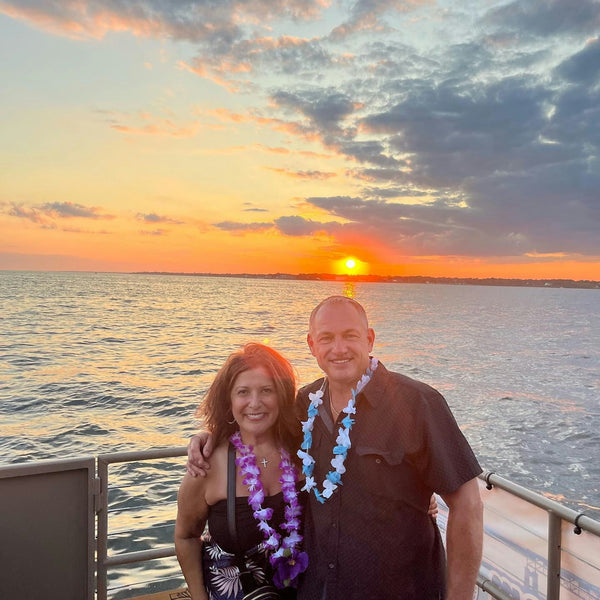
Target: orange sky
[{"x": 140, "y": 144}]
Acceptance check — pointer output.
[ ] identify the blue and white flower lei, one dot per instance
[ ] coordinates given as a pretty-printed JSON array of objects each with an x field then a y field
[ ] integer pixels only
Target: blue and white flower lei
[{"x": 334, "y": 478}]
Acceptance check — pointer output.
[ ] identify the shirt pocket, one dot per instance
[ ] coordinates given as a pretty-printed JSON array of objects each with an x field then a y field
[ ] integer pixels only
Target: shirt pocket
[
  {"x": 390, "y": 476},
  {"x": 380, "y": 470}
]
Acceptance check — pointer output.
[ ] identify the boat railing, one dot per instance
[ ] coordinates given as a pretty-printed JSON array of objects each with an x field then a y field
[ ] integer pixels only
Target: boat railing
[
  {"x": 558, "y": 532},
  {"x": 558, "y": 519},
  {"x": 557, "y": 514},
  {"x": 104, "y": 561}
]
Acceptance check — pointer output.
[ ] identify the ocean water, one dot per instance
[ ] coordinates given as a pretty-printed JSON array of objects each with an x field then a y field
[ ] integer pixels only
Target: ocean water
[{"x": 95, "y": 362}]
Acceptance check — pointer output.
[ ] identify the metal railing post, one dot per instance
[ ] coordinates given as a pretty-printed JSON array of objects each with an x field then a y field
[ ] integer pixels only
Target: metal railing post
[
  {"x": 554, "y": 556},
  {"x": 490, "y": 588},
  {"x": 102, "y": 547}
]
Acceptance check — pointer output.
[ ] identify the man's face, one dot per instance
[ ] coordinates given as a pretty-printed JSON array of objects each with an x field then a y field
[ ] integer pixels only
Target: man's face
[{"x": 341, "y": 342}]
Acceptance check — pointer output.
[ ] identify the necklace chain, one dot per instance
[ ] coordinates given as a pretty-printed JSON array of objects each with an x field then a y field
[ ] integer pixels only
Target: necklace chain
[
  {"x": 333, "y": 479},
  {"x": 334, "y": 411}
]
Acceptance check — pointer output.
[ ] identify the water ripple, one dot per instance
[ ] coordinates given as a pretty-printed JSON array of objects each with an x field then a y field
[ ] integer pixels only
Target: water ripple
[{"x": 98, "y": 363}]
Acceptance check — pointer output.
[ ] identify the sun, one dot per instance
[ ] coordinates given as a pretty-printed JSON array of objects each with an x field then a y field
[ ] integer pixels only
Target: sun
[{"x": 349, "y": 265}]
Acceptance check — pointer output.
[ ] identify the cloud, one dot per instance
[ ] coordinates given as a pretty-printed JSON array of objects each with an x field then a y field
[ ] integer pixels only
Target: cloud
[
  {"x": 471, "y": 149},
  {"x": 241, "y": 228},
  {"x": 325, "y": 109},
  {"x": 366, "y": 16},
  {"x": 189, "y": 20},
  {"x": 153, "y": 218},
  {"x": 68, "y": 210},
  {"x": 450, "y": 132},
  {"x": 299, "y": 226},
  {"x": 24, "y": 212},
  {"x": 44, "y": 214},
  {"x": 463, "y": 130},
  {"x": 446, "y": 226},
  {"x": 154, "y": 232},
  {"x": 547, "y": 18},
  {"x": 304, "y": 175},
  {"x": 145, "y": 124},
  {"x": 584, "y": 66}
]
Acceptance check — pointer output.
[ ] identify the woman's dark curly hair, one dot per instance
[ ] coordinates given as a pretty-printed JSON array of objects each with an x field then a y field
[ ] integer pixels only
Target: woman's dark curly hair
[{"x": 215, "y": 409}]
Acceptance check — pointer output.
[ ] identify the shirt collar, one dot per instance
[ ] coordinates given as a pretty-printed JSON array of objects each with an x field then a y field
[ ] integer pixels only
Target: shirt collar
[{"x": 373, "y": 391}]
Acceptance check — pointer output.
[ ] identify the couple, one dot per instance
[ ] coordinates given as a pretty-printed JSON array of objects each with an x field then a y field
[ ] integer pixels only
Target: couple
[{"x": 375, "y": 446}]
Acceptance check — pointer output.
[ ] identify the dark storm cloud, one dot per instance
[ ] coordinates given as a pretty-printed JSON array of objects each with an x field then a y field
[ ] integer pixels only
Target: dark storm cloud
[
  {"x": 392, "y": 192},
  {"x": 548, "y": 17},
  {"x": 325, "y": 109},
  {"x": 372, "y": 152},
  {"x": 438, "y": 228},
  {"x": 297, "y": 226},
  {"x": 584, "y": 66},
  {"x": 453, "y": 132}
]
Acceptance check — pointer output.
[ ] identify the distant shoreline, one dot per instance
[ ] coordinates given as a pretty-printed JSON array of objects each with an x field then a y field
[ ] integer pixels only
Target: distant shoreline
[{"x": 494, "y": 281}]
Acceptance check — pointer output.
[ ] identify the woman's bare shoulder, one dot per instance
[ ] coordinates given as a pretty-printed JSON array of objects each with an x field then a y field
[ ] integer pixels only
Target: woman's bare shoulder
[
  {"x": 216, "y": 479},
  {"x": 218, "y": 459},
  {"x": 208, "y": 487}
]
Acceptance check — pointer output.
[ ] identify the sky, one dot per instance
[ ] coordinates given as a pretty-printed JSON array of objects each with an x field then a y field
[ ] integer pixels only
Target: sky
[{"x": 457, "y": 138}]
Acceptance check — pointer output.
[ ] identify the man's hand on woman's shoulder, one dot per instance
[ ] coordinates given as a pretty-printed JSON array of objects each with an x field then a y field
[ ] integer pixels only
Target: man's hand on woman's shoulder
[{"x": 199, "y": 450}]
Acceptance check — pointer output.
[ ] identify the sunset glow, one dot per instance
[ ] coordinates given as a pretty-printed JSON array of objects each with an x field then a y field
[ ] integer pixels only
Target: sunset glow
[{"x": 307, "y": 141}]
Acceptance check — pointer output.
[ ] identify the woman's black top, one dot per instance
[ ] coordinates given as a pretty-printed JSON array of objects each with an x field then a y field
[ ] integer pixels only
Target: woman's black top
[{"x": 248, "y": 533}]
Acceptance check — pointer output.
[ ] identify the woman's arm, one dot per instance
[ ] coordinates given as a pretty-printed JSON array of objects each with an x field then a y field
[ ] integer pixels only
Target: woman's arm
[{"x": 192, "y": 512}]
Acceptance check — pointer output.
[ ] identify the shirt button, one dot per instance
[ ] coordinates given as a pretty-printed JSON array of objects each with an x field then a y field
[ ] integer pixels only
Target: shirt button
[
  {"x": 331, "y": 566},
  {"x": 334, "y": 525},
  {"x": 378, "y": 461}
]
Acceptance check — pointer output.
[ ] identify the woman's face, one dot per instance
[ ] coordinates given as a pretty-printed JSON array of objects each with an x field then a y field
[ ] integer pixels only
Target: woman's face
[{"x": 254, "y": 401}]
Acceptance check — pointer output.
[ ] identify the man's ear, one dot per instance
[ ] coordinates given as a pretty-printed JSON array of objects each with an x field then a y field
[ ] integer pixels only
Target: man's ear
[{"x": 371, "y": 338}]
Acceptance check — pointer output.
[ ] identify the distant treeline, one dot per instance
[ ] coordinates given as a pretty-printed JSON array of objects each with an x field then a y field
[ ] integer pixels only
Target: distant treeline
[{"x": 549, "y": 283}]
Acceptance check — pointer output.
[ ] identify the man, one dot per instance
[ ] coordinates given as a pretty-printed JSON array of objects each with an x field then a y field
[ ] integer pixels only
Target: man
[{"x": 373, "y": 456}]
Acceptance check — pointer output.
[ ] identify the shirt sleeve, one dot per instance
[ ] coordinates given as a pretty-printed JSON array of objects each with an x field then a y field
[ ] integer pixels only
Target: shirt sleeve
[{"x": 447, "y": 459}]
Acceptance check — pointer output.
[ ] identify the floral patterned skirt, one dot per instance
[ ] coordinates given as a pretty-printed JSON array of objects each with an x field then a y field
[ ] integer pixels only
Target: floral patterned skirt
[{"x": 221, "y": 573}]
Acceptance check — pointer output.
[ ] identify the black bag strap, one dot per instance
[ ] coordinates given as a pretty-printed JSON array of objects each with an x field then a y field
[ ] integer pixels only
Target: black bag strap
[
  {"x": 231, "y": 496},
  {"x": 246, "y": 578}
]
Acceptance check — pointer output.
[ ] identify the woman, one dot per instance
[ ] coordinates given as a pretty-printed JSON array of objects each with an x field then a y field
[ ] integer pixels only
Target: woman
[{"x": 250, "y": 405}]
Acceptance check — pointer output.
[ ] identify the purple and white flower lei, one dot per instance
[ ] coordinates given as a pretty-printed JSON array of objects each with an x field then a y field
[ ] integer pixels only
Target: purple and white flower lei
[{"x": 285, "y": 558}]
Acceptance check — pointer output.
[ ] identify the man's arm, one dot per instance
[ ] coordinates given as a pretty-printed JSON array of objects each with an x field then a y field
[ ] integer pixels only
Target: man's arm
[
  {"x": 464, "y": 540},
  {"x": 199, "y": 450}
]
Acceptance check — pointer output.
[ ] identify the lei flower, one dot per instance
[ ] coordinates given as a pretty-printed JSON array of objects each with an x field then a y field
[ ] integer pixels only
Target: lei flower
[
  {"x": 285, "y": 558},
  {"x": 333, "y": 479}
]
